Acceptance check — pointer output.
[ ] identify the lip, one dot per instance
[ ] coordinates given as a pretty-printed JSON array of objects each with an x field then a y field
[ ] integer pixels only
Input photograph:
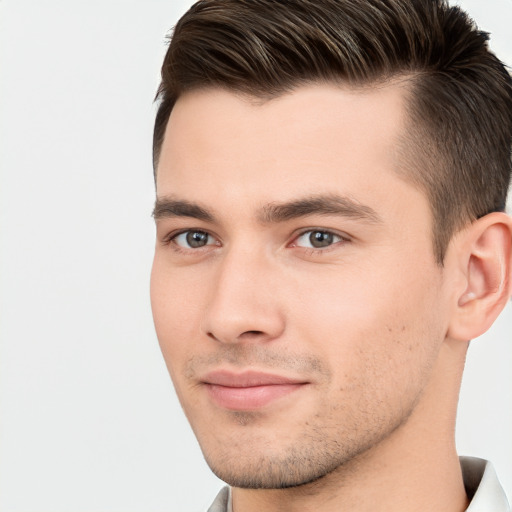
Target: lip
[{"x": 248, "y": 390}]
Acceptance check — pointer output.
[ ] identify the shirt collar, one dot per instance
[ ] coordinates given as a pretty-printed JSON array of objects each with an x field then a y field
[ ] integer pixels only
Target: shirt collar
[{"x": 482, "y": 486}]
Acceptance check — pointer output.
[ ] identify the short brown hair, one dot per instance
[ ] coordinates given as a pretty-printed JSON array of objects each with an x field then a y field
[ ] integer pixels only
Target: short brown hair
[{"x": 458, "y": 148}]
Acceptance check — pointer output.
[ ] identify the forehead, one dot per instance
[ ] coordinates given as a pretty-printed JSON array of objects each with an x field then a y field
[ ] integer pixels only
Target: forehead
[{"x": 318, "y": 139}]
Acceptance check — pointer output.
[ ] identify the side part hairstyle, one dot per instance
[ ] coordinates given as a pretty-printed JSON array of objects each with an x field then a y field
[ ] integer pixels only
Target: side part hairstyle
[{"x": 457, "y": 148}]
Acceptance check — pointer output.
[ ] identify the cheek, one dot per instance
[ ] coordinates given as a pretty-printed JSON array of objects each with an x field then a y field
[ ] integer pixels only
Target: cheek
[
  {"x": 367, "y": 324},
  {"x": 175, "y": 304}
]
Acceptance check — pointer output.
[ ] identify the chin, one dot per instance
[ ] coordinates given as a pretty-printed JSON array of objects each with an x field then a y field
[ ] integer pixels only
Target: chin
[
  {"x": 268, "y": 478},
  {"x": 273, "y": 472}
]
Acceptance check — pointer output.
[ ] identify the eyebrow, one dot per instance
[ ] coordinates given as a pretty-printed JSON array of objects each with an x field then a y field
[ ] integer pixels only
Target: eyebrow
[
  {"x": 166, "y": 207},
  {"x": 319, "y": 205},
  {"x": 344, "y": 206}
]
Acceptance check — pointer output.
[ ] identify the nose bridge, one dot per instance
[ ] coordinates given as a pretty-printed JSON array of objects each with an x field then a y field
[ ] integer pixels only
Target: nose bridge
[{"x": 242, "y": 304}]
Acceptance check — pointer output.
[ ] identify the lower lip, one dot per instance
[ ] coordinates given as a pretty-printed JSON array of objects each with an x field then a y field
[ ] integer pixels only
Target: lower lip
[{"x": 250, "y": 398}]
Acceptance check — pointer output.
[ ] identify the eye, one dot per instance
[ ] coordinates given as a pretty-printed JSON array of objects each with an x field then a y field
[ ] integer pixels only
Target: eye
[
  {"x": 317, "y": 239},
  {"x": 193, "y": 239}
]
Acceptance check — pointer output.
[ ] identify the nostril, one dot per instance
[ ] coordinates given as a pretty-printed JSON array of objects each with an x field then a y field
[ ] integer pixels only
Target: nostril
[
  {"x": 246, "y": 335},
  {"x": 251, "y": 336}
]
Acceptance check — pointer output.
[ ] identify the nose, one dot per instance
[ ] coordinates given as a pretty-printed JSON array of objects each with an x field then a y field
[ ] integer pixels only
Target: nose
[{"x": 244, "y": 305}]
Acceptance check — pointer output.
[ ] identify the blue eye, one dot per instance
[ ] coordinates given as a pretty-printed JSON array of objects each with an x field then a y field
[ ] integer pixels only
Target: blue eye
[
  {"x": 317, "y": 239},
  {"x": 193, "y": 239}
]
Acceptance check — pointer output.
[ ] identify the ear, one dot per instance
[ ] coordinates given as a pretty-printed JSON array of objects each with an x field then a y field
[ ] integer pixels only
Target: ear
[{"x": 482, "y": 255}]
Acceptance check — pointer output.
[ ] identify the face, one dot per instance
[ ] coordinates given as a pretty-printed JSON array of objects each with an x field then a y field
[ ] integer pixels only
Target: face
[{"x": 295, "y": 292}]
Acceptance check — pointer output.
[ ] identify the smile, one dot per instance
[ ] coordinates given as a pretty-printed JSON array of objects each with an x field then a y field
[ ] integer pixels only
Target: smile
[{"x": 249, "y": 390}]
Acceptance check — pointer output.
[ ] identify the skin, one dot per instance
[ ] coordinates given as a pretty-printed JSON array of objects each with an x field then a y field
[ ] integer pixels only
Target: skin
[{"x": 366, "y": 322}]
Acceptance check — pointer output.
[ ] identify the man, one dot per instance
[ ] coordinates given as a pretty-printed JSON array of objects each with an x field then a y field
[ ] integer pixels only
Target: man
[{"x": 331, "y": 180}]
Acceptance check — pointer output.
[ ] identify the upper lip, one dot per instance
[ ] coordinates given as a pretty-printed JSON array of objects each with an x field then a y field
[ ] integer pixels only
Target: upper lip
[{"x": 247, "y": 379}]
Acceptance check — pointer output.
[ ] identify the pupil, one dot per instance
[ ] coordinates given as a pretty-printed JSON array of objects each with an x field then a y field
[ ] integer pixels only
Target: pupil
[
  {"x": 320, "y": 239},
  {"x": 197, "y": 239}
]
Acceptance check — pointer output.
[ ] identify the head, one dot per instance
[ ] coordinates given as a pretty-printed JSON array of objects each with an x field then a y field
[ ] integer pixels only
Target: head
[{"x": 330, "y": 177}]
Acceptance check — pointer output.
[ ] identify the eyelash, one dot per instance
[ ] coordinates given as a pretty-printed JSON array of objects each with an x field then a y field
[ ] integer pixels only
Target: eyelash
[
  {"x": 312, "y": 251},
  {"x": 170, "y": 239}
]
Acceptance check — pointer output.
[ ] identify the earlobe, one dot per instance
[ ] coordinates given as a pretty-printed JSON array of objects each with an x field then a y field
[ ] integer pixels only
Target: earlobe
[{"x": 484, "y": 255}]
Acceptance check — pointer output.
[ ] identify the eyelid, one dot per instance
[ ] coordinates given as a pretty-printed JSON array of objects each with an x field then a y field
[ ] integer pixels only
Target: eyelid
[
  {"x": 170, "y": 238},
  {"x": 342, "y": 235},
  {"x": 172, "y": 235}
]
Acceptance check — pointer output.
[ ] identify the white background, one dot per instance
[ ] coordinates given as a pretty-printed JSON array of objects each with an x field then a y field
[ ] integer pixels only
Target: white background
[{"x": 88, "y": 418}]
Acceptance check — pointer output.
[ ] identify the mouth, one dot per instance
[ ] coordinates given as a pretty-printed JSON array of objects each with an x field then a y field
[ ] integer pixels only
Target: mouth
[{"x": 249, "y": 390}]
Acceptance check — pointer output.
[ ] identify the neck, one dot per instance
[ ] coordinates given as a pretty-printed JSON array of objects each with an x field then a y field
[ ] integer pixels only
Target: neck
[{"x": 416, "y": 468}]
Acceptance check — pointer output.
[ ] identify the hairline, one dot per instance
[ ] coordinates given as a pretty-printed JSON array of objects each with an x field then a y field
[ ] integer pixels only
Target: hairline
[{"x": 260, "y": 98}]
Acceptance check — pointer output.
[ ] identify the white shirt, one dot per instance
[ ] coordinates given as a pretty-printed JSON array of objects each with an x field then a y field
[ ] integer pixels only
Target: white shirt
[{"x": 482, "y": 487}]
